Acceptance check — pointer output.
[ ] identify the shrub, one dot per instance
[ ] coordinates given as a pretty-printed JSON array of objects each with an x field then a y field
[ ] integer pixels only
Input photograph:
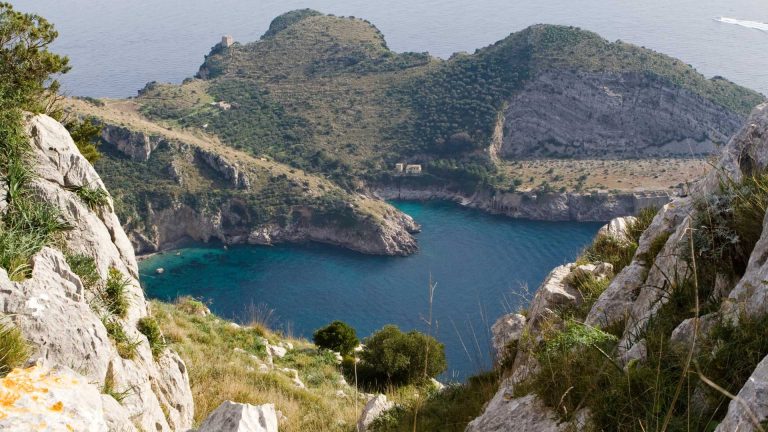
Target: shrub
[
  {"x": 336, "y": 336},
  {"x": 114, "y": 295},
  {"x": 13, "y": 348},
  {"x": 393, "y": 357},
  {"x": 148, "y": 327}
]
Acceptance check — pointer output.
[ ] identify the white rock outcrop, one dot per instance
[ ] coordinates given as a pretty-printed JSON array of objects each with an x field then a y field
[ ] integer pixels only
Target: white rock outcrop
[
  {"x": 237, "y": 417},
  {"x": 373, "y": 408},
  {"x": 59, "y": 400},
  {"x": 506, "y": 329},
  {"x": 505, "y": 413},
  {"x": 52, "y": 307}
]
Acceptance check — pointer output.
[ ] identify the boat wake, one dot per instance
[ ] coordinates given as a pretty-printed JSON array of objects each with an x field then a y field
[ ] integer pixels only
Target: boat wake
[{"x": 749, "y": 24}]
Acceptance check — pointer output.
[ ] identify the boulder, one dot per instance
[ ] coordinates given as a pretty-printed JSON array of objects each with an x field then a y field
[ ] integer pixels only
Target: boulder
[
  {"x": 506, "y": 329},
  {"x": 277, "y": 351},
  {"x": 60, "y": 399},
  {"x": 617, "y": 228},
  {"x": 374, "y": 408},
  {"x": 682, "y": 335},
  {"x": 527, "y": 413},
  {"x": 750, "y": 408},
  {"x": 553, "y": 292},
  {"x": 237, "y": 417}
]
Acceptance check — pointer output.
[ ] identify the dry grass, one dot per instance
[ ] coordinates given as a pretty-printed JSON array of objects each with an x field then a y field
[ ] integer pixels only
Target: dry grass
[
  {"x": 218, "y": 372},
  {"x": 623, "y": 175}
]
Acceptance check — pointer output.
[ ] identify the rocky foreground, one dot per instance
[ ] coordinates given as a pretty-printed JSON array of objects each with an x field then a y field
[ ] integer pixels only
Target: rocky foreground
[{"x": 636, "y": 299}]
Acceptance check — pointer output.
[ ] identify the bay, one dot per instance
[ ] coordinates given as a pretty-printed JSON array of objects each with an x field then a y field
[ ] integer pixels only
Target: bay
[{"x": 483, "y": 266}]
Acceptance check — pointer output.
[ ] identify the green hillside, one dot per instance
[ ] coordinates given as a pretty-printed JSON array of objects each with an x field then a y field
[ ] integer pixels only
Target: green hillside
[{"x": 326, "y": 94}]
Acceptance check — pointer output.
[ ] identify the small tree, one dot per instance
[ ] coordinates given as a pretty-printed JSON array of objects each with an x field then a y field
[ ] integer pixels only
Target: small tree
[
  {"x": 337, "y": 336},
  {"x": 392, "y": 356}
]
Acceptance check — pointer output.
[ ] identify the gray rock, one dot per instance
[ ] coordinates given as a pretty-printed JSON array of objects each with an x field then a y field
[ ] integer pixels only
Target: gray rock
[
  {"x": 618, "y": 114},
  {"x": 527, "y": 413},
  {"x": 373, "y": 408},
  {"x": 682, "y": 335},
  {"x": 54, "y": 294},
  {"x": 237, "y": 417},
  {"x": 638, "y": 353},
  {"x": 617, "y": 228},
  {"x": 751, "y": 406},
  {"x": 58, "y": 398},
  {"x": 506, "y": 329}
]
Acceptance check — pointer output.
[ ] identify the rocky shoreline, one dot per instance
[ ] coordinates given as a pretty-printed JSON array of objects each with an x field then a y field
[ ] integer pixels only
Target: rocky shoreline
[{"x": 547, "y": 206}]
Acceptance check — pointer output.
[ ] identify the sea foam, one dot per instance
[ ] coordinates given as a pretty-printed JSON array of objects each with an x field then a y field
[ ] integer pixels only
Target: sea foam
[{"x": 749, "y": 24}]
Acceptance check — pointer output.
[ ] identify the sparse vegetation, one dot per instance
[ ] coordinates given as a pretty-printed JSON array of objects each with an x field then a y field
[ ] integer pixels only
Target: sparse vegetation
[
  {"x": 14, "y": 350},
  {"x": 126, "y": 346},
  {"x": 148, "y": 327},
  {"x": 86, "y": 135},
  {"x": 95, "y": 198},
  {"x": 85, "y": 268},
  {"x": 449, "y": 410},
  {"x": 115, "y": 295}
]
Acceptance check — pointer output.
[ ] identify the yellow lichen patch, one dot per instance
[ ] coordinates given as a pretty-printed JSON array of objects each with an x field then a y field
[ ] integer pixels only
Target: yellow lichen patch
[{"x": 33, "y": 396}]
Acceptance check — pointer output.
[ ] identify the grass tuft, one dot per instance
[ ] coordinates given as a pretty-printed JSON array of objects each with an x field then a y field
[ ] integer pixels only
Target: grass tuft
[
  {"x": 115, "y": 295},
  {"x": 126, "y": 347},
  {"x": 148, "y": 327},
  {"x": 14, "y": 350}
]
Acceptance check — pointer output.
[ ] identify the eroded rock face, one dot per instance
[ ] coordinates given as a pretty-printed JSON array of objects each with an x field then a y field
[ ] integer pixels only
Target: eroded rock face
[
  {"x": 52, "y": 308},
  {"x": 553, "y": 206},
  {"x": 579, "y": 113},
  {"x": 505, "y": 330},
  {"x": 138, "y": 145},
  {"x": 237, "y": 417},
  {"x": 505, "y": 413},
  {"x": 374, "y": 408},
  {"x": 751, "y": 408}
]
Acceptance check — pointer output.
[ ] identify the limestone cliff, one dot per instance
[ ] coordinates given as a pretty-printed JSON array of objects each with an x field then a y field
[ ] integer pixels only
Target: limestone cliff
[
  {"x": 539, "y": 205},
  {"x": 608, "y": 114},
  {"x": 648, "y": 303},
  {"x": 77, "y": 360},
  {"x": 173, "y": 187}
]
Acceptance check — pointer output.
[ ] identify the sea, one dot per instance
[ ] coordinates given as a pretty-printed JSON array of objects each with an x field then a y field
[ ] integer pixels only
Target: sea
[{"x": 481, "y": 266}]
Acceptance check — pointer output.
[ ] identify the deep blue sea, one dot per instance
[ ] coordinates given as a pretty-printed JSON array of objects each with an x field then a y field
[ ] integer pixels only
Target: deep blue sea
[{"x": 481, "y": 264}]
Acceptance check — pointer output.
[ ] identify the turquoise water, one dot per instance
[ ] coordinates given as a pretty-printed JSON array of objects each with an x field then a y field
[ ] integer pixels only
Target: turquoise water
[{"x": 479, "y": 262}]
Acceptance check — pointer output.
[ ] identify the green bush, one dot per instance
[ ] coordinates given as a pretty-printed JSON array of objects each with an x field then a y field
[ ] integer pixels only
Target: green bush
[
  {"x": 13, "y": 348},
  {"x": 336, "y": 336},
  {"x": 149, "y": 327},
  {"x": 393, "y": 357}
]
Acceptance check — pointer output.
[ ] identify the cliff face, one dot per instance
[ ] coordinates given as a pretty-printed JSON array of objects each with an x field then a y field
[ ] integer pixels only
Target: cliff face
[
  {"x": 551, "y": 206},
  {"x": 177, "y": 188},
  {"x": 647, "y": 306},
  {"x": 78, "y": 361},
  {"x": 606, "y": 114}
]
